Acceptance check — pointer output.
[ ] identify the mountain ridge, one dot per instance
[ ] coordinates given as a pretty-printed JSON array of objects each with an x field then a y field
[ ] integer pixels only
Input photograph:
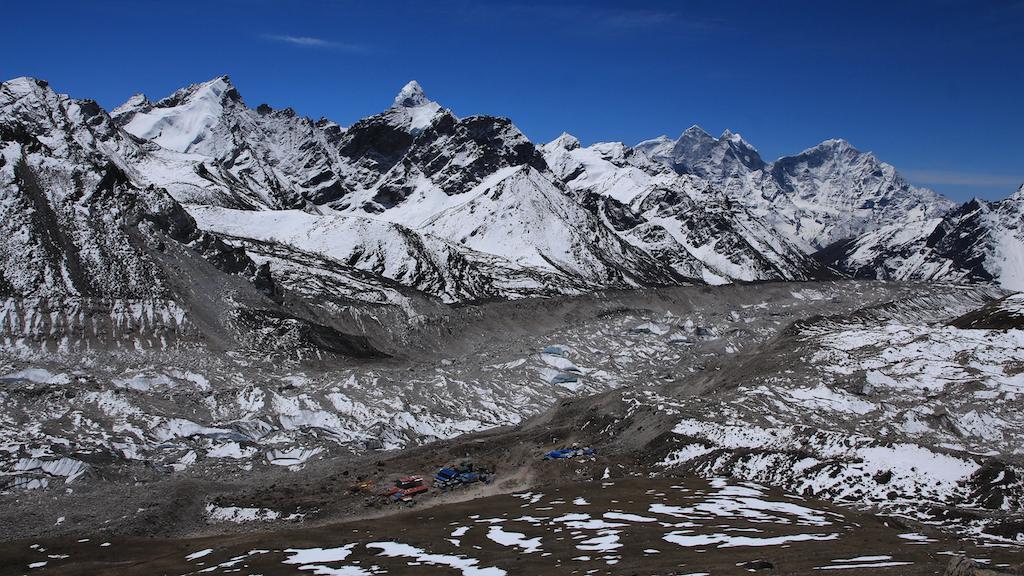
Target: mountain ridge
[
  {"x": 523, "y": 219},
  {"x": 412, "y": 163},
  {"x": 827, "y": 192}
]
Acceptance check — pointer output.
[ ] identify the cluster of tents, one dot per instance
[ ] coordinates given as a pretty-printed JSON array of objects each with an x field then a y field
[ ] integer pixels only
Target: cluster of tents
[
  {"x": 449, "y": 477},
  {"x": 465, "y": 473}
]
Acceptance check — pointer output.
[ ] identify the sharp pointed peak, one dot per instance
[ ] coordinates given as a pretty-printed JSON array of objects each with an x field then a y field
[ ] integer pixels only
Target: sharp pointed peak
[
  {"x": 735, "y": 138},
  {"x": 695, "y": 130},
  {"x": 730, "y": 135},
  {"x": 695, "y": 136},
  {"x": 566, "y": 141},
  {"x": 410, "y": 96}
]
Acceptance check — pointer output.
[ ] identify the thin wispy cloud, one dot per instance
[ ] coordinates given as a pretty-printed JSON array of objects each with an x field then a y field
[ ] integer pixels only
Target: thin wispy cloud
[
  {"x": 949, "y": 178},
  {"x": 586, "y": 18},
  {"x": 313, "y": 42}
]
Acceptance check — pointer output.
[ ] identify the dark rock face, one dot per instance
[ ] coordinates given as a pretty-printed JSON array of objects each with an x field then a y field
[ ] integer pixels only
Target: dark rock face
[
  {"x": 270, "y": 329},
  {"x": 959, "y": 239},
  {"x": 614, "y": 212},
  {"x": 994, "y": 485},
  {"x": 493, "y": 143},
  {"x": 375, "y": 144},
  {"x": 487, "y": 143},
  {"x": 993, "y": 316}
]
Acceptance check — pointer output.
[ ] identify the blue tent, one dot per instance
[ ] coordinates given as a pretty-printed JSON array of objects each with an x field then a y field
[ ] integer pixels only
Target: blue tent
[{"x": 562, "y": 453}]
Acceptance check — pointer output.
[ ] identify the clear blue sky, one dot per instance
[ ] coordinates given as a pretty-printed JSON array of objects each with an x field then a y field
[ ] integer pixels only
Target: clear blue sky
[{"x": 935, "y": 88}]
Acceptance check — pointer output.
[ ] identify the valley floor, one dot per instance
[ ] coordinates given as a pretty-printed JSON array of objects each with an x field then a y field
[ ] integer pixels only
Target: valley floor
[
  {"x": 724, "y": 419},
  {"x": 627, "y": 526}
]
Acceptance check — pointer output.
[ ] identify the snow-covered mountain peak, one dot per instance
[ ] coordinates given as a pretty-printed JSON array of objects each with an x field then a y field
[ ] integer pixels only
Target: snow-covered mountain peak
[
  {"x": 24, "y": 96},
  {"x": 734, "y": 137},
  {"x": 840, "y": 159},
  {"x": 836, "y": 146},
  {"x": 835, "y": 143},
  {"x": 181, "y": 121},
  {"x": 979, "y": 240},
  {"x": 743, "y": 150},
  {"x": 34, "y": 116},
  {"x": 66, "y": 171},
  {"x": 412, "y": 111},
  {"x": 700, "y": 153},
  {"x": 565, "y": 141},
  {"x": 234, "y": 155},
  {"x": 411, "y": 96},
  {"x": 24, "y": 86},
  {"x": 825, "y": 193},
  {"x": 29, "y": 99},
  {"x": 840, "y": 147},
  {"x": 696, "y": 131},
  {"x": 136, "y": 102},
  {"x": 658, "y": 149},
  {"x": 219, "y": 89}
]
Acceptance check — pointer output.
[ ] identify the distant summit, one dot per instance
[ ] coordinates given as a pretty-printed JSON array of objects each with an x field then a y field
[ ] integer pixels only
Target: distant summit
[{"x": 411, "y": 96}]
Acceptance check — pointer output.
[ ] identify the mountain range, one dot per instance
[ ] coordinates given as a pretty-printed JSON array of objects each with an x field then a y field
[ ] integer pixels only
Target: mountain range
[{"x": 198, "y": 199}]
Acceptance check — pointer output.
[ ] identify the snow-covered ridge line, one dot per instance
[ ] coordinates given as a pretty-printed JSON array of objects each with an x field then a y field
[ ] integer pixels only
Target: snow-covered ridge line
[
  {"x": 979, "y": 241},
  {"x": 476, "y": 181},
  {"x": 467, "y": 208},
  {"x": 825, "y": 193}
]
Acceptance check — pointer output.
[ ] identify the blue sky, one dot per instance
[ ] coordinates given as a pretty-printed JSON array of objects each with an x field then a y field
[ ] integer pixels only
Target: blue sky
[{"x": 935, "y": 88}]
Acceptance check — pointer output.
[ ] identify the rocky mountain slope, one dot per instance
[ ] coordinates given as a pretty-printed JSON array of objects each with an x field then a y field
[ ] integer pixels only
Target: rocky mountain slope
[
  {"x": 682, "y": 219},
  {"x": 473, "y": 190},
  {"x": 208, "y": 147},
  {"x": 96, "y": 256},
  {"x": 855, "y": 212},
  {"x": 468, "y": 208},
  {"x": 979, "y": 241},
  {"x": 826, "y": 193}
]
